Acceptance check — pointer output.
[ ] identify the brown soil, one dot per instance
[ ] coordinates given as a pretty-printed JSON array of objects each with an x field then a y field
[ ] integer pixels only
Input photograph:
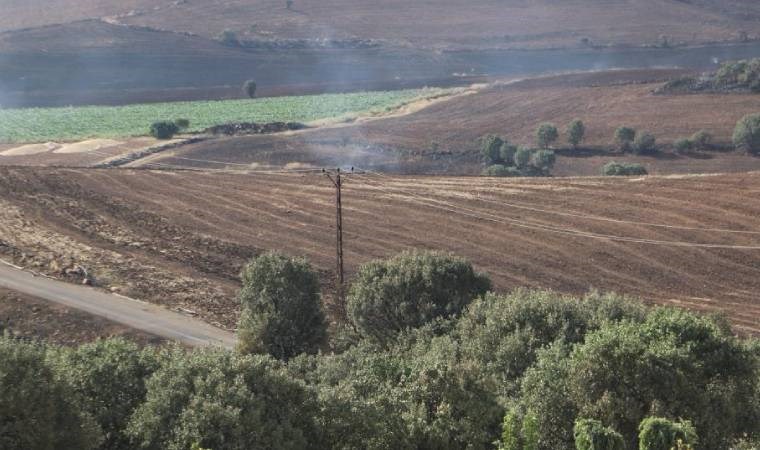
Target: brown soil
[
  {"x": 31, "y": 318},
  {"x": 180, "y": 238},
  {"x": 442, "y": 138},
  {"x": 490, "y": 23}
]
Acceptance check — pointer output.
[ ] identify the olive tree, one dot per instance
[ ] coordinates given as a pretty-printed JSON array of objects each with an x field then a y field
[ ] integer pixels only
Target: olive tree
[
  {"x": 281, "y": 308},
  {"x": 702, "y": 140},
  {"x": 164, "y": 129},
  {"x": 546, "y": 134},
  {"x": 522, "y": 157},
  {"x": 249, "y": 88},
  {"x": 591, "y": 434},
  {"x": 576, "y": 131},
  {"x": 644, "y": 143},
  {"x": 490, "y": 149},
  {"x": 747, "y": 134},
  {"x": 624, "y": 137},
  {"x": 658, "y": 433},
  {"x": 410, "y": 290}
]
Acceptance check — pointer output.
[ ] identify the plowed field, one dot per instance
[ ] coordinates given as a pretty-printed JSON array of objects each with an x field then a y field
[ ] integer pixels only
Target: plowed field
[{"x": 180, "y": 238}]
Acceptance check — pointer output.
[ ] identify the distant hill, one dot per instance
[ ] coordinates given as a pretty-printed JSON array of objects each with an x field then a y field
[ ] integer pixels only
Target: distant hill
[{"x": 432, "y": 23}]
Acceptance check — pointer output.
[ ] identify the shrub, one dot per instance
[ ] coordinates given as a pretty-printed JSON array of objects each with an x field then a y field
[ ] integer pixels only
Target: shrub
[
  {"x": 281, "y": 309},
  {"x": 683, "y": 145},
  {"x": 644, "y": 143},
  {"x": 546, "y": 134},
  {"x": 37, "y": 410},
  {"x": 656, "y": 433},
  {"x": 164, "y": 130},
  {"x": 490, "y": 149},
  {"x": 220, "y": 400},
  {"x": 702, "y": 140},
  {"x": 229, "y": 38},
  {"x": 592, "y": 435},
  {"x": 747, "y": 134},
  {"x": 624, "y": 137},
  {"x": 623, "y": 169},
  {"x": 410, "y": 290},
  {"x": 182, "y": 124},
  {"x": 507, "y": 153},
  {"x": 576, "y": 130},
  {"x": 249, "y": 88},
  {"x": 522, "y": 157},
  {"x": 544, "y": 160},
  {"x": 499, "y": 170},
  {"x": 109, "y": 377}
]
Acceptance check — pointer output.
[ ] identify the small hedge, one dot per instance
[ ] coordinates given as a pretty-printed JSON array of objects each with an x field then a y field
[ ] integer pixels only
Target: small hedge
[{"x": 623, "y": 169}]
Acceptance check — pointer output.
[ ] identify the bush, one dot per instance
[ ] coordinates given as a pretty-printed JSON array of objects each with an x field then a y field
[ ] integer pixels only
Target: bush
[
  {"x": 522, "y": 157},
  {"x": 281, "y": 309},
  {"x": 490, "y": 149},
  {"x": 410, "y": 290},
  {"x": 592, "y": 435},
  {"x": 656, "y": 433},
  {"x": 683, "y": 145},
  {"x": 507, "y": 153},
  {"x": 624, "y": 137},
  {"x": 747, "y": 134},
  {"x": 229, "y": 38},
  {"x": 219, "y": 400},
  {"x": 498, "y": 170},
  {"x": 546, "y": 134},
  {"x": 249, "y": 88},
  {"x": 623, "y": 169},
  {"x": 644, "y": 143},
  {"x": 164, "y": 130},
  {"x": 182, "y": 124},
  {"x": 702, "y": 140},
  {"x": 576, "y": 130},
  {"x": 109, "y": 378},
  {"x": 37, "y": 410},
  {"x": 544, "y": 160}
]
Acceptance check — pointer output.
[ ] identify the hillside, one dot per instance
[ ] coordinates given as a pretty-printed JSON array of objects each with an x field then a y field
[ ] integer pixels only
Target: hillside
[
  {"x": 457, "y": 23},
  {"x": 180, "y": 238}
]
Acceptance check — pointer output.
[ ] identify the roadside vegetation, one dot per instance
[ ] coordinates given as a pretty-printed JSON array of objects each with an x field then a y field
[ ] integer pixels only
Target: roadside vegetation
[
  {"x": 428, "y": 359},
  {"x": 732, "y": 76},
  {"x": 77, "y": 123}
]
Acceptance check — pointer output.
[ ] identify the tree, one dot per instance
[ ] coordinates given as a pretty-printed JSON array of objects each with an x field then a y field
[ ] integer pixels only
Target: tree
[
  {"x": 410, "y": 290},
  {"x": 523, "y": 157},
  {"x": 544, "y": 160},
  {"x": 220, "y": 400},
  {"x": 490, "y": 149},
  {"x": 683, "y": 145},
  {"x": 657, "y": 433},
  {"x": 281, "y": 308},
  {"x": 507, "y": 153},
  {"x": 164, "y": 130},
  {"x": 591, "y": 434},
  {"x": 747, "y": 134},
  {"x": 229, "y": 38},
  {"x": 624, "y": 137},
  {"x": 702, "y": 140},
  {"x": 37, "y": 410},
  {"x": 644, "y": 143},
  {"x": 576, "y": 130},
  {"x": 249, "y": 88},
  {"x": 109, "y": 378},
  {"x": 546, "y": 134}
]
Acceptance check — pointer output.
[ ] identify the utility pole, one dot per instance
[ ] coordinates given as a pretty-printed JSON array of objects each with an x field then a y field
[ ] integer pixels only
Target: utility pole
[{"x": 336, "y": 180}]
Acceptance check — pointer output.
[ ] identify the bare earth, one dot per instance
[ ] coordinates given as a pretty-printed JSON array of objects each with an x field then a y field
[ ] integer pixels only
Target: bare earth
[{"x": 180, "y": 238}]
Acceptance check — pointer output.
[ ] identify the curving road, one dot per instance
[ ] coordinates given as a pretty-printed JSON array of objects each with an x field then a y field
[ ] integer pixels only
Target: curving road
[{"x": 133, "y": 313}]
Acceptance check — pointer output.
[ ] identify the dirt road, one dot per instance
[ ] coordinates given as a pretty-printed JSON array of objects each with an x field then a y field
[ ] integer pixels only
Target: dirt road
[{"x": 142, "y": 316}]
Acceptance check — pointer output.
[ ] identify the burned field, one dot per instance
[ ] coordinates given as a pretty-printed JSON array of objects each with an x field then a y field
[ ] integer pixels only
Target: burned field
[{"x": 179, "y": 238}]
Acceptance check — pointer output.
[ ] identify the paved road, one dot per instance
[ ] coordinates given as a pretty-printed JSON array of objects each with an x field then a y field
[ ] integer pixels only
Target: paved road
[{"x": 136, "y": 314}]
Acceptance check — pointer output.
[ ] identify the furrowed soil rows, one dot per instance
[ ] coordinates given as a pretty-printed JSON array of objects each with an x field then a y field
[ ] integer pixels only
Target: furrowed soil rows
[{"x": 688, "y": 241}]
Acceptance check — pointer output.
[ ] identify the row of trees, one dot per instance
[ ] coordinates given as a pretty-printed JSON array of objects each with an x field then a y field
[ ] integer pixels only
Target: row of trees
[
  {"x": 429, "y": 360},
  {"x": 503, "y": 159}
]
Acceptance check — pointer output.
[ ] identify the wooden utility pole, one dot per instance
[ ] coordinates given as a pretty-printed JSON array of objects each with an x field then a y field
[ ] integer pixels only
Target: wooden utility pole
[{"x": 336, "y": 180}]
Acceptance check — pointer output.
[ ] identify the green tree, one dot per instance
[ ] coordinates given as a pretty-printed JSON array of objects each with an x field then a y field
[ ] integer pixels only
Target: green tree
[
  {"x": 546, "y": 134},
  {"x": 591, "y": 434},
  {"x": 249, "y": 88},
  {"x": 228, "y": 38},
  {"x": 644, "y": 143},
  {"x": 683, "y": 145},
  {"x": 163, "y": 130},
  {"x": 624, "y": 137},
  {"x": 543, "y": 161},
  {"x": 37, "y": 410},
  {"x": 507, "y": 153},
  {"x": 223, "y": 401},
  {"x": 576, "y": 131},
  {"x": 281, "y": 308},
  {"x": 410, "y": 290},
  {"x": 490, "y": 149},
  {"x": 511, "y": 434},
  {"x": 523, "y": 157},
  {"x": 747, "y": 134},
  {"x": 702, "y": 140},
  {"x": 109, "y": 378},
  {"x": 657, "y": 433}
]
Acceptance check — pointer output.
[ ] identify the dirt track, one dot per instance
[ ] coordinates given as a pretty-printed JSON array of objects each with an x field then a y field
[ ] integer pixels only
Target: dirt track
[{"x": 180, "y": 238}]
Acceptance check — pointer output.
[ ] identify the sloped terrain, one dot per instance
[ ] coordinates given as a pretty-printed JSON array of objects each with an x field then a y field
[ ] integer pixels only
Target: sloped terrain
[{"x": 179, "y": 238}]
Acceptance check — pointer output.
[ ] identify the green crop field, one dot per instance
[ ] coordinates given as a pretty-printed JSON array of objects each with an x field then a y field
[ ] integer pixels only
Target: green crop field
[{"x": 77, "y": 123}]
